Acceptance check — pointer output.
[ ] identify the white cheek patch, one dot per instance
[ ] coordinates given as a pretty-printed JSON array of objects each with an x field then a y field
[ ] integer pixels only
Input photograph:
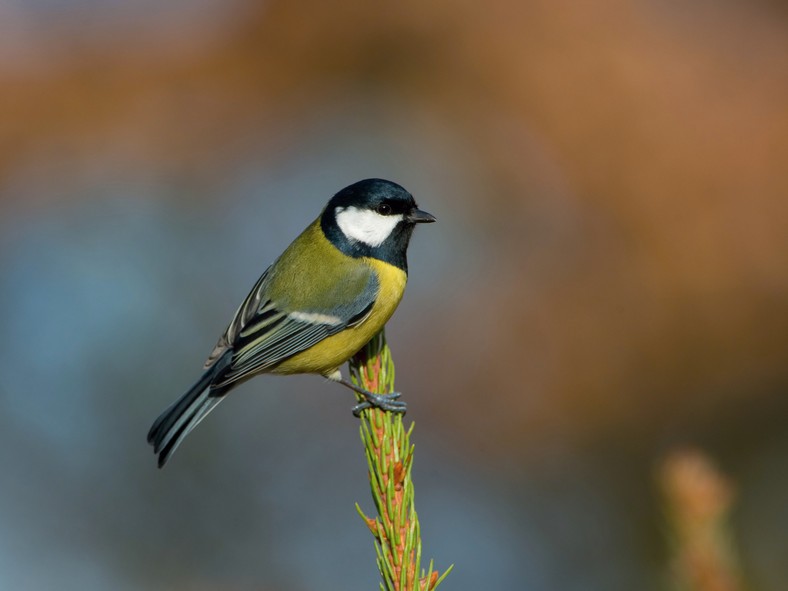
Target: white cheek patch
[{"x": 365, "y": 225}]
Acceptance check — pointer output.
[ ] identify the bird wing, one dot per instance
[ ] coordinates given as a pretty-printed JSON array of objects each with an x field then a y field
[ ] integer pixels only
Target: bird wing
[{"x": 274, "y": 322}]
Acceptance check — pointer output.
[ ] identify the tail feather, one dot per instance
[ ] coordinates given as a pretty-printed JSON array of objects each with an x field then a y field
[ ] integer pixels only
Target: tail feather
[{"x": 174, "y": 424}]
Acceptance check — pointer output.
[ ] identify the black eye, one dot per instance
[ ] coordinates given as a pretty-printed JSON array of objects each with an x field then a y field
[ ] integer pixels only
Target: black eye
[{"x": 384, "y": 209}]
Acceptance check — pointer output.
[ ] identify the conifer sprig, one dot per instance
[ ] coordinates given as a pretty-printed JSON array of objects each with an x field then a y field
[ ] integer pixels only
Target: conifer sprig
[
  {"x": 699, "y": 499},
  {"x": 390, "y": 459}
]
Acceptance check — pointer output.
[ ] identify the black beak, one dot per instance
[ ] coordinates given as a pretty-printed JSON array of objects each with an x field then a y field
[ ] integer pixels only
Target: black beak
[{"x": 418, "y": 216}]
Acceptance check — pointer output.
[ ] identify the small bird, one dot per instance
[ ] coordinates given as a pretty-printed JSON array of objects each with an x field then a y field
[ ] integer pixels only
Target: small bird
[{"x": 320, "y": 302}]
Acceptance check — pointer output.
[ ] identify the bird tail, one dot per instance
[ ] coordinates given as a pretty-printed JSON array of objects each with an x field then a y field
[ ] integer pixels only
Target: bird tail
[{"x": 175, "y": 423}]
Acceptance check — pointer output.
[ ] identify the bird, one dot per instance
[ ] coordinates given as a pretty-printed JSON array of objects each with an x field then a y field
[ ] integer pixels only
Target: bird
[{"x": 330, "y": 292}]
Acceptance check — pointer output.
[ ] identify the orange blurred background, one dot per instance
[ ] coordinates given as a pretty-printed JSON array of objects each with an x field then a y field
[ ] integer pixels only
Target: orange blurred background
[{"x": 608, "y": 279}]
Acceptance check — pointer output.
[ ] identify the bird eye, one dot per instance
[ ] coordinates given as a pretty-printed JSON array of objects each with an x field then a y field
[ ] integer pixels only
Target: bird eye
[{"x": 384, "y": 209}]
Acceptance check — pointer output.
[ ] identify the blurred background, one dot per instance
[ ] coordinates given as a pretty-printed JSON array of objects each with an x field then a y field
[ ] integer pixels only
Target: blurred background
[{"x": 608, "y": 281}]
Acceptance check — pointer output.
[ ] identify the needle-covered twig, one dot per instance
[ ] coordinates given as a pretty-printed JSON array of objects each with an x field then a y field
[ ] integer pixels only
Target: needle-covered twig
[
  {"x": 699, "y": 499},
  {"x": 390, "y": 458}
]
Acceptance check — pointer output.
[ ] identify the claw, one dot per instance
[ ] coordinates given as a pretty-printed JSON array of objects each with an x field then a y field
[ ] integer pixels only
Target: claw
[{"x": 387, "y": 402}]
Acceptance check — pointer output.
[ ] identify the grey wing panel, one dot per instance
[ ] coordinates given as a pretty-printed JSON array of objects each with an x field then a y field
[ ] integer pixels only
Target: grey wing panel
[
  {"x": 268, "y": 335},
  {"x": 268, "y": 350}
]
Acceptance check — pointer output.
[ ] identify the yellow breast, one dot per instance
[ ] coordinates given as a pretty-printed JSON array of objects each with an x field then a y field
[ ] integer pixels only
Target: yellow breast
[{"x": 329, "y": 354}]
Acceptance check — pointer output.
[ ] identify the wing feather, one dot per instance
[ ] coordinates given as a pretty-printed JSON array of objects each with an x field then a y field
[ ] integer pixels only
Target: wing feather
[{"x": 262, "y": 334}]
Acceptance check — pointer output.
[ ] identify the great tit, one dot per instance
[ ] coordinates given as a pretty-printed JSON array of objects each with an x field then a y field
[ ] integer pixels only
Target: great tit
[{"x": 324, "y": 298}]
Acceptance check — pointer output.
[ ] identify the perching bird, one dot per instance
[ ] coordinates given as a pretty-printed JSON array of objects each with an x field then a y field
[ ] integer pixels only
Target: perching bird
[{"x": 323, "y": 299}]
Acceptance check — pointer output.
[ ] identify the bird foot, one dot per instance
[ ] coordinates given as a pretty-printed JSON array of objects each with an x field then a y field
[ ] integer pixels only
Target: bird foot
[{"x": 387, "y": 402}]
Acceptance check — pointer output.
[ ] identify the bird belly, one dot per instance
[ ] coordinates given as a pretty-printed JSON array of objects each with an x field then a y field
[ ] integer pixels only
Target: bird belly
[{"x": 330, "y": 353}]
